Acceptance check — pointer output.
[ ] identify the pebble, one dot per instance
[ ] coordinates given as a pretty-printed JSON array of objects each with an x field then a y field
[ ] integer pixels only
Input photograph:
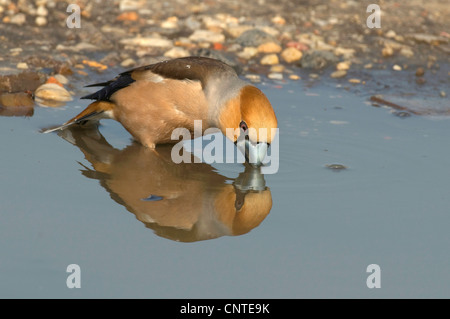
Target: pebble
[
  {"x": 170, "y": 23},
  {"x": 402, "y": 114},
  {"x": 390, "y": 34},
  {"x": 177, "y": 52},
  {"x": 248, "y": 53},
  {"x": 291, "y": 54},
  {"x": 344, "y": 52},
  {"x": 18, "y": 19},
  {"x": 147, "y": 42},
  {"x": 237, "y": 31},
  {"x": 397, "y": 67},
  {"x": 406, "y": 52},
  {"x": 52, "y": 91},
  {"x": 61, "y": 79},
  {"x": 279, "y": 20},
  {"x": 355, "y": 81},
  {"x": 41, "y": 21},
  {"x": 442, "y": 94},
  {"x": 128, "y": 63},
  {"x": 277, "y": 68},
  {"x": 253, "y": 38},
  {"x": 338, "y": 74},
  {"x": 269, "y": 47},
  {"x": 95, "y": 64},
  {"x": 270, "y": 59},
  {"x": 317, "y": 59},
  {"x": 294, "y": 77},
  {"x": 128, "y": 16},
  {"x": 42, "y": 11},
  {"x": 420, "y": 71},
  {"x": 82, "y": 46},
  {"x": 127, "y": 5},
  {"x": 22, "y": 66},
  {"x": 343, "y": 66},
  {"x": 275, "y": 76},
  {"x": 207, "y": 36},
  {"x": 336, "y": 167},
  {"x": 255, "y": 78},
  {"x": 387, "y": 51}
]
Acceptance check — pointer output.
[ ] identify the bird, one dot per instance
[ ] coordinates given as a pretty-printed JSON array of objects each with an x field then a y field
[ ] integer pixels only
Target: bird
[{"x": 151, "y": 101}]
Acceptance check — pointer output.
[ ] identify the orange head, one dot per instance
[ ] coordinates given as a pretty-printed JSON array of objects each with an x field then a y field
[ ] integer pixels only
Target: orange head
[{"x": 251, "y": 114}]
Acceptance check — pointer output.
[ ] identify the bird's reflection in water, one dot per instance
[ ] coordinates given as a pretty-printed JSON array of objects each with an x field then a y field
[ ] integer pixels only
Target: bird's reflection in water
[{"x": 184, "y": 202}]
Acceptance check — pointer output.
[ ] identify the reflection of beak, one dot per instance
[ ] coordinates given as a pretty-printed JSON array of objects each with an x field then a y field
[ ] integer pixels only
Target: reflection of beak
[{"x": 254, "y": 153}]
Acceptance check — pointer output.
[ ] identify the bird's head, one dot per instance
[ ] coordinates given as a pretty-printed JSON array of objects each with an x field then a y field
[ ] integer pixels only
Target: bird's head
[{"x": 251, "y": 114}]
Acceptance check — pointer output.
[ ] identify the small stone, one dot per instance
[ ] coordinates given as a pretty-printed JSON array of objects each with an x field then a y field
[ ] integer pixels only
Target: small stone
[
  {"x": 442, "y": 94},
  {"x": 52, "y": 79},
  {"x": 61, "y": 79},
  {"x": 22, "y": 66},
  {"x": 177, "y": 52},
  {"x": 316, "y": 59},
  {"x": 253, "y": 38},
  {"x": 207, "y": 36},
  {"x": 41, "y": 21},
  {"x": 42, "y": 11},
  {"x": 406, "y": 52},
  {"x": 342, "y": 66},
  {"x": 270, "y": 59},
  {"x": 269, "y": 47},
  {"x": 390, "y": 34},
  {"x": 147, "y": 42},
  {"x": 170, "y": 23},
  {"x": 420, "y": 71},
  {"x": 354, "y": 81},
  {"x": 336, "y": 167},
  {"x": 255, "y": 78},
  {"x": 275, "y": 76},
  {"x": 128, "y": 16},
  {"x": 18, "y": 19},
  {"x": 387, "y": 51},
  {"x": 397, "y": 67},
  {"x": 278, "y": 68},
  {"x": 95, "y": 64},
  {"x": 237, "y": 31},
  {"x": 402, "y": 114},
  {"x": 294, "y": 77},
  {"x": 291, "y": 54},
  {"x": 368, "y": 66},
  {"x": 127, "y": 63},
  {"x": 338, "y": 74},
  {"x": 344, "y": 52},
  {"x": 52, "y": 91},
  {"x": 128, "y": 5},
  {"x": 279, "y": 20},
  {"x": 248, "y": 53}
]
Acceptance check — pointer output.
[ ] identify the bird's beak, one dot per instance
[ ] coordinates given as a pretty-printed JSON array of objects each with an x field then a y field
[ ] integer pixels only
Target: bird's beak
[{"x": 254, "y": 153}]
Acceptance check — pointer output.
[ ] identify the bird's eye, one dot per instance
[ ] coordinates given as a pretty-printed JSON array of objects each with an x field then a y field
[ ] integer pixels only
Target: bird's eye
[{"x": 243, "y": 126}]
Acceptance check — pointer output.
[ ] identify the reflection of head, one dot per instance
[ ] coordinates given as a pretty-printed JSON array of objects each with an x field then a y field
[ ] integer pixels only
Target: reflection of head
[
  {"x": 196, "y": 203},
  {"x": 242, "y": 212}
]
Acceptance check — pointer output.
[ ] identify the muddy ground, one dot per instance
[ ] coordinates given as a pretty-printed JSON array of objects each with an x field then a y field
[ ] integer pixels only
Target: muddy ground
[{"x": 404, "y": 64}]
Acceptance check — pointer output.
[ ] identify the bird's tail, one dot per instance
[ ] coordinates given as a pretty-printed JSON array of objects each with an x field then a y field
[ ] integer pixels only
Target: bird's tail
[{"x": 93, "y": 113}]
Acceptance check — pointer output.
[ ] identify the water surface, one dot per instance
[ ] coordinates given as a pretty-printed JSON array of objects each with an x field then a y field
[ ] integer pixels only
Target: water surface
[{"x": 306, "y": 231}]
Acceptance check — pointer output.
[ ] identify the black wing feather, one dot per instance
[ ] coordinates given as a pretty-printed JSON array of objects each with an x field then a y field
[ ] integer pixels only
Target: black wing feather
[{"x": 123, "y": 80}]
